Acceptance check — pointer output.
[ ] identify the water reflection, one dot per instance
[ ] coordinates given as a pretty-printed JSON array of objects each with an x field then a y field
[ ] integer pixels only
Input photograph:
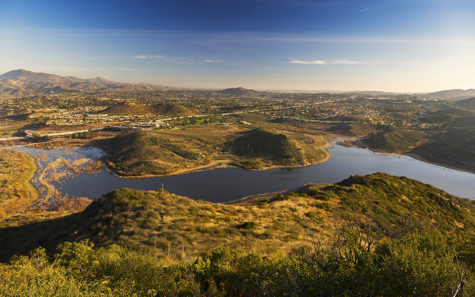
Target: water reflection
[{"x": 221, "y": 185}]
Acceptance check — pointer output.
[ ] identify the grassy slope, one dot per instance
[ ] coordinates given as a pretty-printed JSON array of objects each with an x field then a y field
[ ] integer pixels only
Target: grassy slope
[
  {"x": 466, "y": 104},
  {"x": 454, "y": 147},
  {"x": 169, "y": 109},
  {"x": 396, "y": 140},
  {"x": 127, "y": 107},
  {"x": 166, "y": 224},
  {"x": 452, "y": 144},
  {"x": 16, "y": 191},
  {"x": 169, "y": 151},
  {"x": 260, "y": 148}
]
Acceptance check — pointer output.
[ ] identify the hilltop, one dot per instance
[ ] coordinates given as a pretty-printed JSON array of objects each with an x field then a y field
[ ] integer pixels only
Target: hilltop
[
  {"x": 172, "y": 225},
  {"x": 269, "y": 147},
  {"x": 23, "y": 83},
  {"x": 452, "y": 95},
  {"x": 466, "y": 103},
  {"x": 162, "y": 152},
  {"x": 127, "y": 107},
  {"x": 239, "y": 91},
  {"x": 170, "y": 109}
]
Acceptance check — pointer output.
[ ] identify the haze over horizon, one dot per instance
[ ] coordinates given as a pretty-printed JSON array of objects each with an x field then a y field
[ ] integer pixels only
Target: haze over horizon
[{"x": 408, "y": 46}]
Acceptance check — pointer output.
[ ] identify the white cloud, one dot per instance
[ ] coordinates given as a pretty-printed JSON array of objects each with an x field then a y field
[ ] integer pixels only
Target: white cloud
[
  {"x": 326, "y": 62},
  {"x": 145, "y": 57},
  {"x": 364, "y": 9},
  {"x": 212, "y": 61}
]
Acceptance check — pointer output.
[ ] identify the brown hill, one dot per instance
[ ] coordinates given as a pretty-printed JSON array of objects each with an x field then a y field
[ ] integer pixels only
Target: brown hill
[
  {"x": 127, "y": 107},
  {"x": 159, "y": 220},
  {"x": 22, "y": 83},
  {"x": 238, "y": 91},
  {"x": 171, "y": 109}
]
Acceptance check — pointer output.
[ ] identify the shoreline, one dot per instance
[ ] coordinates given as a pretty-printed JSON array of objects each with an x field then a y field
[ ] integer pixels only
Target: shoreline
[
  {"x": 414, "y": 156},
  {"x": 220, "y": 164},
  {"x": 331, "y": 141},
  {"x": 422, "y": 159}
]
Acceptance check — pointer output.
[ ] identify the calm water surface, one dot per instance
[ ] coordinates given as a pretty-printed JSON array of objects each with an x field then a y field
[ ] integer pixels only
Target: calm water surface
[{"x": 221, "y": 185}]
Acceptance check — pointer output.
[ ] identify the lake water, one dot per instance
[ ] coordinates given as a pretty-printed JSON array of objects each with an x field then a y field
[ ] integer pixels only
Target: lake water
[{"x": 227, "y": 184}]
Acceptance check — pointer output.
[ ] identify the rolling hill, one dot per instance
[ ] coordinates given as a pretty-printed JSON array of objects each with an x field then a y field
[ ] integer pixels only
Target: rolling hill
[
  {"x": 169, "y": 109},
  {"x": 239, "y": 91},
  {"x": 128, "y": 108},
  {"x": 170, "y": 224},
  {"x": 22, "y": 83},
  {"x": 452, "y": 95},
  {"x": 278, "y": 148},
  {"x": 466, "y": 103}
]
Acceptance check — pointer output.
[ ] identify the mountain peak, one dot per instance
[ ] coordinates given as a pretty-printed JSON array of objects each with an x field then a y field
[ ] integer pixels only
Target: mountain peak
[
  {"x": 22, "y": 83},
  {"x": 238, "y": 91},
  {"x": 15, "y": 74}
]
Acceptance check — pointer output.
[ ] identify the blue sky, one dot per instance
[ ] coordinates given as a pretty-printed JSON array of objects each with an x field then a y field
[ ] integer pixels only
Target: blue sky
[{"x": 393, "y": 45}]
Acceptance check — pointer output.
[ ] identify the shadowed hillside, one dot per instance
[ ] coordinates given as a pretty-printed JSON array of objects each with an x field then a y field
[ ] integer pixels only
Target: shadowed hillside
[
  {"x": 166, "y": 224},
  {"x": 171, "y": 109},
  {"x": 162, "y": 152},
  {"x": 128, "y": 108},
  {"x": 238, "y": 91},
  {"x": 260, "y": 143},
  {"x": 466, "y": 104}
]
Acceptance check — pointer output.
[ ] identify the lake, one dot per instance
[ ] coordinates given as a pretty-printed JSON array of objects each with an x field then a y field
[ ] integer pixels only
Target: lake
[{"x": 228, "y": 184}]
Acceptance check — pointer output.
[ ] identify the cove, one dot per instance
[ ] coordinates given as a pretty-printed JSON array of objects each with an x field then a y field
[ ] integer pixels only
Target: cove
[{"x": 228, "y": 184}]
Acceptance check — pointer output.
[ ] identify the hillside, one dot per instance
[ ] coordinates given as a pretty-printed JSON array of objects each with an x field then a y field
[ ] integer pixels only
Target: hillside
[
  {"x": 180, "y": 227},
  {"x": 162, "y": 152},
  {"x": 158, "y": 152},
  {"x": 22, "y": 83},
  {"x": 169, "y": 109},
  {"x": 270, "y": 147},
  {"x": 466, "y": 103},
  {"x": 238, "y": 91},
  {"x": 451, "y": 95},
  {"x": 128, "y": 108}
]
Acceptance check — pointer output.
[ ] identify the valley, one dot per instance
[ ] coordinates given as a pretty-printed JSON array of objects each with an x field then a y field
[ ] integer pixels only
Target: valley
[{"x": 182, "y": 178}]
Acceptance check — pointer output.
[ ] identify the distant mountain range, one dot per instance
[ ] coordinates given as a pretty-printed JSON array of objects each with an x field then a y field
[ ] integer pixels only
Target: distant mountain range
[
  {"x": 23, "y": 83},
  {"x": 238, "y": 91},
  {"x": 452, "y": 95},
  {"x": 466, "y": 103}
]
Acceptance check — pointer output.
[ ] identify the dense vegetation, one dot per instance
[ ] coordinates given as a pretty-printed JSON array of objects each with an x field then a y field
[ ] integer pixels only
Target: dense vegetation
[{"x": 414, "y": 265}]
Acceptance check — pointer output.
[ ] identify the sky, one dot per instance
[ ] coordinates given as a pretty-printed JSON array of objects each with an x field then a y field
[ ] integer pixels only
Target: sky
[{"x": 311, "y": 45}]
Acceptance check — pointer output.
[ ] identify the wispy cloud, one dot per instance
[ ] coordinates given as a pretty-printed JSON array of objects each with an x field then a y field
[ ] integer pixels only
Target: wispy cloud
[
  {"x": 326, "y": 62},
  {"x": 185, "y": 61},
  {"x": 212, "y": 61},
  {"x": 146, "y": 57},
  {"x": 364, "y": 9}
]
